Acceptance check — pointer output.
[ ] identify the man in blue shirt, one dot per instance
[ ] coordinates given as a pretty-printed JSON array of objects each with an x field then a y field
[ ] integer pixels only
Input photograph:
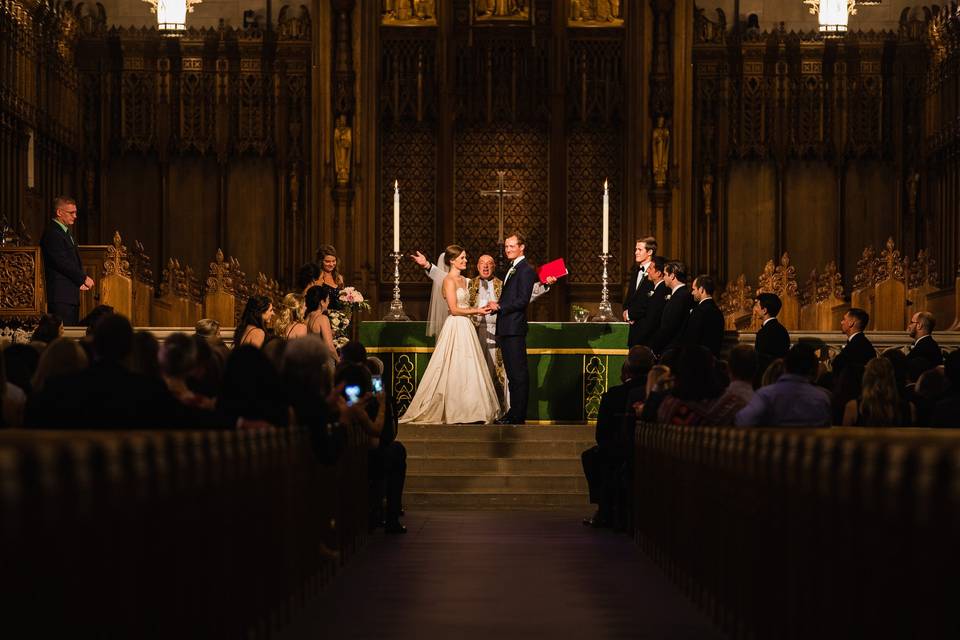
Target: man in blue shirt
[{"x": 791, "y": 401}]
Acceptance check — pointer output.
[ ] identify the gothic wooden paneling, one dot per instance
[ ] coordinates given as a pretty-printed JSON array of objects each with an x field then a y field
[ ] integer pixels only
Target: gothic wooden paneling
[
  {"x": 251, "y": 215},
  {"x": 131, "y": 202},
  {"x": 524, "y": 152},
  {"x": 593, "y": 156},
  {"x": 751, "y": 217},
  {"x": 192, "y": 218},
  {"x": 868, "y": 221},
  {"x": 810, "y": 189},
  {"x": 409, "y": 155}
]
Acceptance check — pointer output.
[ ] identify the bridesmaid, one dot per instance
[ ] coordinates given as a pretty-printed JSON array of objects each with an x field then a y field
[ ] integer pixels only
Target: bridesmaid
[
  {"x": 252, "y": 328},
  {"x": 318, "y": 301},
  {"x": 330, "y": 278}
]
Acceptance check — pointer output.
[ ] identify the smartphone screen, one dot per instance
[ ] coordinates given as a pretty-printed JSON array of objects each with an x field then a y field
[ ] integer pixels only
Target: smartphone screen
[
  {"x": 377, "y": 384},
  {"x": 352, "y": 394}
]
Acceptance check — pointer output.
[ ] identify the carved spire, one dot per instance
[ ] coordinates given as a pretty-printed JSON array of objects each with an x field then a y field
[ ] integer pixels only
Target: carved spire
[
  {"x": 889, "y": 266},
  {"x": 866, "y": 275},
  {"x": 830, "y": 283},
  {"x": 737, "y": 297},
  {"x": 117, "y": 262},
  {"x": 922, "y": 271}
]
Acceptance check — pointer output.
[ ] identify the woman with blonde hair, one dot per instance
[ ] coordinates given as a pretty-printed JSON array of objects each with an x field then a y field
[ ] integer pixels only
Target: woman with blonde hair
[
  {"x": 879, "y": 404},
  {"x": 290, "y": 323}
]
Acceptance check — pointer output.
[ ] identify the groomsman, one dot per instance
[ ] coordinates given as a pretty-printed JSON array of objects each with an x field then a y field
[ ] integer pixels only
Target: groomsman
[
  {"x": 705, "y": 325},
  {"x": 677, "y": 309},
  {"x": 773, "y": 340},
  {"x": 924, "y": 346},
  {"x": 858, "y": 350},
  {"x": 638, "y": 288},
  {"x": 646, "y": 329}
]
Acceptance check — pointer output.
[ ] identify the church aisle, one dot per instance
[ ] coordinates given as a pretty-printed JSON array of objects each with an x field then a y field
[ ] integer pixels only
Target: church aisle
[{"x": 500, "y": 574}]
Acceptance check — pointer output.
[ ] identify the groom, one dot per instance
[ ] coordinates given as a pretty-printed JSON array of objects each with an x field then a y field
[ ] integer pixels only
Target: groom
[{"x": 511, "y": 310}]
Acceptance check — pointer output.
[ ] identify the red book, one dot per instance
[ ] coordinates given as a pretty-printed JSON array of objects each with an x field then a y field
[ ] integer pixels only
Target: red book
[{"x": 556, "y": 268}]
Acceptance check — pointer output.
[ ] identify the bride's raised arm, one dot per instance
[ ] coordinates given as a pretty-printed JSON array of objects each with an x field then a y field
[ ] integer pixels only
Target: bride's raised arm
[{"x": 450, "y": 295}]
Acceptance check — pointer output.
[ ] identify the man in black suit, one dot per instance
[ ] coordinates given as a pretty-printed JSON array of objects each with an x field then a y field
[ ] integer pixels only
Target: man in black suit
[
  {"x": 705, "y": 326},
  {"x": 511, "y": 310},
  {"x": 858, "y": 350},
  {"x": 773, "y": 340},
  {"x": 638, "y": 288},
  {"x": 63, "y": 272},
  {"x": 645, "y": 329},
  {"x": 924, "y": 346},
  {"x": 676, "y": 311},
  {"x": 602, "y": 463}
]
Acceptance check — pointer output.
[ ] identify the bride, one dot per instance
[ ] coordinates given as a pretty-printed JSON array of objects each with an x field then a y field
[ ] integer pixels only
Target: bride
[{"x": 456, "y": 387}]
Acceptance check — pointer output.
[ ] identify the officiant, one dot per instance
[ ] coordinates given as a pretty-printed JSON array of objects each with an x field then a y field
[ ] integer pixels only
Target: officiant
[{"x": 483, "y": 289}]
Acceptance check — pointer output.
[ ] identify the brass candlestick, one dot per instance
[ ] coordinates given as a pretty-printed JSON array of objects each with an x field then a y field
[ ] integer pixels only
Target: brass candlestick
[{"x": 396, "y": 305}]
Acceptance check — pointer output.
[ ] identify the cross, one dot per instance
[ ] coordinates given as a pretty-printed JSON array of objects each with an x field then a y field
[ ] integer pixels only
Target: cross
[{"x": 500, "y": 192}]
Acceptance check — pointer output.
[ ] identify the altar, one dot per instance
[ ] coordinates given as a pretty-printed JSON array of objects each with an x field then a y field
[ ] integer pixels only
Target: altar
[{"x": 571, "y": 364}]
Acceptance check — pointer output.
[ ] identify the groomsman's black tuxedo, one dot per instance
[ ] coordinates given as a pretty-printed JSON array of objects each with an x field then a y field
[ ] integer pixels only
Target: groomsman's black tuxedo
[
  {"x": 642, "y": 331},
  {"x": 512, "y": 335},
  {"x": 705, "y": 326},
  {"x": 636, "y": 302},
  {"x": 63, "y": 273},
  {"x": 858, "y": 350},
  {"x": 928, "y": 349},
  {"x": 773, "y": 341},
  {"x": 673, "y": 320}
]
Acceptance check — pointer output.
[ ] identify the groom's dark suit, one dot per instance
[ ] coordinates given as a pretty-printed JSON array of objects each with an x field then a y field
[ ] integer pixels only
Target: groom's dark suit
[{"x": 512, "y": 335}]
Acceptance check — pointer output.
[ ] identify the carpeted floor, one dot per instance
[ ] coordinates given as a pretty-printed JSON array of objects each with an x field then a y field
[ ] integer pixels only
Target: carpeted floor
[{"x": 500, "y": 574}]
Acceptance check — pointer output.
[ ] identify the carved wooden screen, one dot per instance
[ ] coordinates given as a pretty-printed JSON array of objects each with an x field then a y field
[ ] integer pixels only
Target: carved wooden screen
[{"x": 524, "y": 153}]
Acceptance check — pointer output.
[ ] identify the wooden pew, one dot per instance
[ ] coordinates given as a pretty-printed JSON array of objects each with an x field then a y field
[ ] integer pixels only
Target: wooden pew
[
  {"x": 890, "y": 291},
  {"x": 736, "y": 302},
  {"x": 864, "y": 280},
  {"x": 777, "y": 533},
  {"x": 782, "y": 280},
  {"x": 116, "y": 287},
  {"x": 178, "y": 304},
  {"x": 225, "y": 292},
  {"x": 148, "y": 534},
  {"x": 21, "y": 283},
  {"x": 142, "y": 276},
  {"x": 823, "y": 300},
  {"x": 93, "y": 257}
]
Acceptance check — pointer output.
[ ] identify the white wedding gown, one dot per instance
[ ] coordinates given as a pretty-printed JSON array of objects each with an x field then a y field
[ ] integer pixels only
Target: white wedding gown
[{"x": 456, "y": 386}]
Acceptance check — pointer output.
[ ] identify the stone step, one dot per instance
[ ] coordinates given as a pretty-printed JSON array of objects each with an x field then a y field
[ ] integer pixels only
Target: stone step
[
  {"x": 496, "y": 482},
  {"x": 494, "y": 449},
  {"x": 492, "y": 499},
  {"x": 486, "y": 465},
  {"x": 494, "y": 433}
]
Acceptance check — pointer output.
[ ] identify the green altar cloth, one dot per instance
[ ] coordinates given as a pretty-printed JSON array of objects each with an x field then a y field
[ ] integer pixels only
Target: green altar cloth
[{"x": 571, "y": 364}]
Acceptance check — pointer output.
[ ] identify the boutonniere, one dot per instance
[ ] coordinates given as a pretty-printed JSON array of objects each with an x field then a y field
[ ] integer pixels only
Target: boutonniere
[
  {"x": 649, "y": 294},
  {"x": 668, "y": 296}
]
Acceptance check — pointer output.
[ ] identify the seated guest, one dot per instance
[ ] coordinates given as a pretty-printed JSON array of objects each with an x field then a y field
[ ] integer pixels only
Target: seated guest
[
  {"x": 772, "y": 373},
  {"x": 144, "y": 358},
  {"x": 177, "y": 360},
  {"x": 62, "y": 357},
  {"x": 330, "y": 278},
  {"x": 773, "y": 340},
  {"x": 252, "y": 394},
  {"x": 846, "y": 387},
  {"x": 601, "y": 463},
  {"x": 743, "y": 363},
  {"x": 290, "y": 324},
  {"x": 12, "y": 400},
  {"x": 931, "y": 388},
  {"x": 354, "y": 352},
  {"x": 252, "y": 328},
  {"x": 880, "y": 404},
  {"x": 307, "y": 373},
  {"x": 208, "y": 371},
  {"x": 107, "y": 395},
  {"x": 858, "y": 349},
  {"x": 924, "y": 346},
  {"x": 946, "y": 413},
  {"x": 48, "y": 329},
  {"x": 317, "y": 302},
  {"x": 21, "y": 362},
  {"x": 386, "y": 465},
  {"x": 97, "y": 314},
  {"x": 308, "y": 275},
  {"x": 696, "y": 388},
  {"x": 705, "y": 325},
  {"x": 898, "y": 359},
  {"x": 208, "y": 328},
  {"x": 793, "y": 400}
]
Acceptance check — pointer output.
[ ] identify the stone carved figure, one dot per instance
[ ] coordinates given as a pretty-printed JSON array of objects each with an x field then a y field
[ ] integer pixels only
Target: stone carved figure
[
  {"x": 708, "y": 195},
  {"x": 661, "y": 152},
  {"x": 342, "y": 146},
  {"x": 500, "y": 9}
]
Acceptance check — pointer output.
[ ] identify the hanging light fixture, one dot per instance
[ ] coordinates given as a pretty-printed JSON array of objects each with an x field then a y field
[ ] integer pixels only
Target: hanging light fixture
[
  {"x": 833, "y": 15},
  {"x": 172, "y": 15}
]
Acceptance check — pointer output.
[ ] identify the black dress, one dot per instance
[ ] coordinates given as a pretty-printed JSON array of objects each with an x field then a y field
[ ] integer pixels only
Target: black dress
[{"x": 334, "y": 293}]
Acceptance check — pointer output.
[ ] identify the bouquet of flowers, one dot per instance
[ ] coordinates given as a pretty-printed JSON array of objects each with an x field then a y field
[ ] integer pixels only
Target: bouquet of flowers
[
  {"x": 353, "y": 300},
  {"x": 339, "y": 322}
]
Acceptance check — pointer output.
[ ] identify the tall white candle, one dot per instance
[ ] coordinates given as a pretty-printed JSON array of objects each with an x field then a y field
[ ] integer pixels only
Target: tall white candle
[
  {"x": 606, "y": 218},
  {"x": 396, "y": 216}
]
